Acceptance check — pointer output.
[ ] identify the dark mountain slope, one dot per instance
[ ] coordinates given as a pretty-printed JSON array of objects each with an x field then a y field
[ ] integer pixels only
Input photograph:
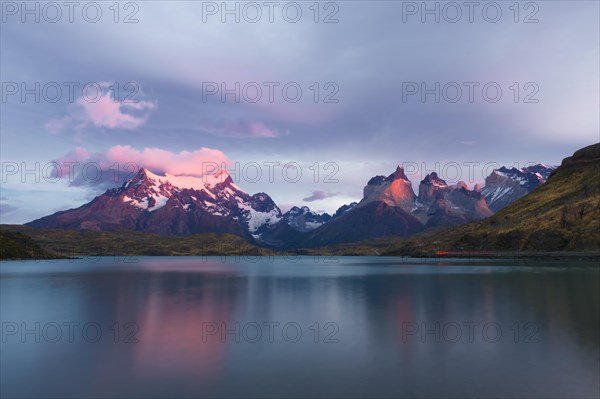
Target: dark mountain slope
[{"x": 374, "y": 219}]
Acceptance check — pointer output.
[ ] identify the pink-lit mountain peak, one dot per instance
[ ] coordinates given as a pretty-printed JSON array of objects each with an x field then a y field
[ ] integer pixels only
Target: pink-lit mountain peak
[{"x": 218, "y": 179}]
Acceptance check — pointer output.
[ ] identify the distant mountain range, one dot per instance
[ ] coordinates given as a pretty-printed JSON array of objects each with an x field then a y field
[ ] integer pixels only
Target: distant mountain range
[
  {"x": 560, "y": 215},
  {"x": 505, "y": 185},
  {"x": 177, "y": 205},
  {"x": 304, "y": 220},
  {"x": 184, "y": 205}
]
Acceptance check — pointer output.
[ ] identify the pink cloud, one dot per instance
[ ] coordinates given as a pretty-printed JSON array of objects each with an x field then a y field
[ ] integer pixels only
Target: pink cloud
[
  {"x": 54, "y": 126},
  {"x": 240, "y": 129},
  {"x": 104, "y": 113},
  {"x": 128, "y": 160},
  {"x": 78, "y": 154},
  {"x": 109, "y": 113},
  {"x": 163, "y": 161}
]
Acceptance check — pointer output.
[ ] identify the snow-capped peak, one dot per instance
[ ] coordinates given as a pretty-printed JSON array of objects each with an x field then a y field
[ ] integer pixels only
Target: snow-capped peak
[
  {"x": 207, "y": 181},
  {"x": 303, "y": 219},
  {"x": 214, "y": 194},
  {"x": 505, "y": 185},
  {"x": 434, "y": 180}
]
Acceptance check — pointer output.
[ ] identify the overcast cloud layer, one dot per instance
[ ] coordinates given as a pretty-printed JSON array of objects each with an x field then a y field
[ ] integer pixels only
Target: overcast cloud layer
[{"x": 358, "y": 115}]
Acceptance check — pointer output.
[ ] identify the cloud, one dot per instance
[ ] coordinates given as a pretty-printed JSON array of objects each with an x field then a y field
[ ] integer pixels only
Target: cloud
[
  {"x": 162, "y": 161},
  {"x": 119, "y": 163},
  {"x": 106, "y": 112},
  {"x": 78, "y": 154},
  {"x": 317, "y": 195},
  {"x": 55, "y": 126},
  {"x": 239, "y": 129},
  {"x": 6, "y": 208}
]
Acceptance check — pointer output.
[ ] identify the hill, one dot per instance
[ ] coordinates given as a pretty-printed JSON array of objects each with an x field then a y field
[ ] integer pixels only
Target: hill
[
  {"x": 117, "y": 243},
  {"x": 15, "y": 245},
  {"x": 561, "y": 215}
]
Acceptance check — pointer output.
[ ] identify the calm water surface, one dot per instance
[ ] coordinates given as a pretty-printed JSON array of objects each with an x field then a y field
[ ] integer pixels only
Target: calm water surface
[{"x": 299, "y": 327}]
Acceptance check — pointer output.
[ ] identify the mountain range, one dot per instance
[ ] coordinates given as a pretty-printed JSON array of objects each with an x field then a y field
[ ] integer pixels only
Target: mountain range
[
  {"x": 563, "y": 215},
  {"x": 506, "y": 185},
  {"x": 184, "y": 205}
]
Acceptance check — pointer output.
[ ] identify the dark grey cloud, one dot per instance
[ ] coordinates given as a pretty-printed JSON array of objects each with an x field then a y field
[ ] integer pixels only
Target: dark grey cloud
[{"x": 317, "y": 195}]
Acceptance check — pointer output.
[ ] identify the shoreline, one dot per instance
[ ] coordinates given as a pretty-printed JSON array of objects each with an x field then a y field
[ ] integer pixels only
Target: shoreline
[{"x": 553, "y": 256}]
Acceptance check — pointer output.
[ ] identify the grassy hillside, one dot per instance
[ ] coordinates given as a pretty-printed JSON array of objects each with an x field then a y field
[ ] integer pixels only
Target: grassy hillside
[
  {"x": 14, "y": 245},
  {"x": 561, "y": 215},
  {"x": 132, "y": 243}
]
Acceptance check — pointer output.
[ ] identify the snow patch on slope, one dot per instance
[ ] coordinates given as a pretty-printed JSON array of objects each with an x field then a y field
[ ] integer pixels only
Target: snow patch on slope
[{"x": 256, "y": 219}]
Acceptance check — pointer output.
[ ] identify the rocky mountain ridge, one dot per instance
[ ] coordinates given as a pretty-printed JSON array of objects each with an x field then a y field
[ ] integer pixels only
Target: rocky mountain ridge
[{"x": 183, "y": 205}]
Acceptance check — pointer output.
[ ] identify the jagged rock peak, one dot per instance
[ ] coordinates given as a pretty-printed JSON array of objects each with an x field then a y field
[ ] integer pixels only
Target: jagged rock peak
[
  {"x": 433, "y": 178},
  {"x": 398, "y": 174},
  {"x": 462, "y": 184},
  {"x": 343, "y": 209},
  {"x": 304, "y": 220}
]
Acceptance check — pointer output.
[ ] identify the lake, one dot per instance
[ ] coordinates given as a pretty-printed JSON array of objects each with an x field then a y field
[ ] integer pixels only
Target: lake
[{"x": 299, "y": 327}]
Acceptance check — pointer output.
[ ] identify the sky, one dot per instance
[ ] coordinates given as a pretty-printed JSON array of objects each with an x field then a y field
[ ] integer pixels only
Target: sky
[{"x": 304, "y": 101}]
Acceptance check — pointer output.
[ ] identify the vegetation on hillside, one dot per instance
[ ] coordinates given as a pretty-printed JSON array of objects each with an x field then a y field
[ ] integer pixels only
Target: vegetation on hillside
[
  {"x": 15, "y": 245},
  {"x": 69, "y": 243}
]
